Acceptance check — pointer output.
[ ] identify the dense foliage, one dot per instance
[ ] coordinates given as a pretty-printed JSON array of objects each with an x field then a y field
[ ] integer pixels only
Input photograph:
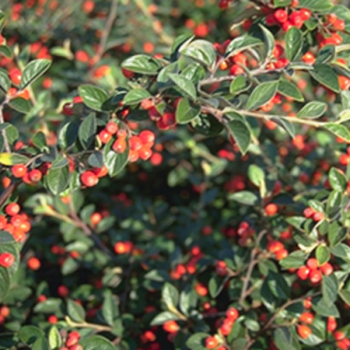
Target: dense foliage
[{"x": 175, "y": 174}]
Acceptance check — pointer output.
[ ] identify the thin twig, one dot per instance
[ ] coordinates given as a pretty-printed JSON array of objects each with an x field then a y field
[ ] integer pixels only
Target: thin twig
[
  {"x": 252, "y": 263},
  {"x": 105, "y": 34}
]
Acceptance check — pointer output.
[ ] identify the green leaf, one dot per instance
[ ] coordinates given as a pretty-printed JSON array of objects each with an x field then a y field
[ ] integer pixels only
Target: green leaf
[
  {"x": 184, "y": 85},
  {"x": 185, "y": 112},
  {"x": 207, "y": 125},
  {"x": 216, "y": 285},
  {"x": 39, "y": 141},
  {"x": 170, "y": 296},
  {"x": 21, "y": 105},
  {"x": 49, "y": 306},
  {"x": 281, "y": 3},
  {"x": 238, "y": 85},
  {"x": 58, "y": 179},
  {"x": 330, "y": 289},
  {"x": 13, "y": 159},
  {"x": 336, "y": 234},
  {"x": 285, "y": 339},
  {"x": 108, "y": 308},
  {"x": 313, "y": 110},
  {"x": 55, "y": 340},
  {"x": 200, "y": 51},
  {"x": 136, "y": 96},
  {"x": 75, "y": 311},
  {"x": 29, "y": 334},
  {"x": 115, "y": 162},
  {"x": 5, "y": 51},
  {"x": 197, "y": 341},
  {"x": 87, "y": 131},
  {"x": 277, "y": 285},
  {"x": 337, "y": 180},
  {"x": 316, "y": 5},
  {"x": 68, "y": 135},
  {"x": 34, "y": 70},
  {"x": 322, "y": 254},
  {"x": 294, "y": 260},
  {"x": 188, "y": 301},
  {"x": 262, "y": 94},
  {"x": 6, "y": 237},
  {"x": 5, "y": 82},
  {"x": 180, "y": 42},
  {"x": 338, "y": 130},
  {"x": 141, "y": 64},
  {"x": 93, "y": 96},
  {"x": 288, "y": 89},
  {"x": 294, "y": 43},
  {"x": 324, "y": 309},
  {"x": 241, "y": 43},
  {"x": 269, "y": 40},
  {"x": 11, "y": 132},
  {"x": 326, "y": 76},
  {"x": 241, "y": 134},
  {"x": 41, "y": 344},
  {"x": 97, "y": 342},
  {"x": 244, "y": 197},
  {"x": 345, "y": 295},
  {"x": 164, "y": 317},
  {"x": 326, "y": 54},
  {"x": 256, "y": 175}
]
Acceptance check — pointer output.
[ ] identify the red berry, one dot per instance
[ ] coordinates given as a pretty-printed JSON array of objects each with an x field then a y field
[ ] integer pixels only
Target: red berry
[
  {"x": 312, "y": 264},
  {"x": 89, "y": 179},
  {"x": 145, "y": 153},
  {"x": 309, "y": 58},
  {"x": 119, "y": 145},
  {"x": 68, "y": 109},
  {"x": 104, "y": 136},
  {"x": 147, "y": 137},
  {"x": 305, "y": 14},
  {"x": 15, "y": 76},
  {"x": 156, "y": 159},
  {"x": 6, "y": 260},
  {"x": 271, "y": 209},
  {"x": 34, "y": 263},
  {"x": 307, "y": 317},
  {"x": 232, "y": 314},
  {"x": 52, "y": 319},
  {"x": 344, "y": 82},
  {"x": 315, "y": 276},
  {"x": 127, "y": 73},
  {"x": 211, "y": 343},
  {"x": 19, "y": 170},
  {"x": 112, "y": 128},
  {"x": 135, "y": 143},
  {"x": 304, "y": 331},
  {"x": 5, "y": 311},
  {"x": 327, "y": 269},
  {"x": 331, "y": 324},
  {"x": 12, "y": 209},
  {"x": 280, "y": 15},
  {"x": 35, "y": 175},
  {"x": 171, "y": 327},
  {"x": 303, "y": 273}
]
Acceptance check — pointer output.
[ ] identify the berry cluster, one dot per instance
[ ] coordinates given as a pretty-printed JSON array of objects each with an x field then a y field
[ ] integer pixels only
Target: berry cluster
[
  {"x": 313, "y": 271},
  {"x": 14, "y": 222},
  {"x": 72, "y": 341},
  {"x": 21, "y": 171}
]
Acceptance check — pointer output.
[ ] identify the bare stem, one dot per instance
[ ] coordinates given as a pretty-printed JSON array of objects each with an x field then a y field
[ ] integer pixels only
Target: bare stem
[
  {"x": 252, "y": 263},
  {"x": 104, "y": 38}
]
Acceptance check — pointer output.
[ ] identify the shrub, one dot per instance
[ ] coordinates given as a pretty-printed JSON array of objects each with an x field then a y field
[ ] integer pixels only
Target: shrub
[{"x": 192, "y": 196}]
